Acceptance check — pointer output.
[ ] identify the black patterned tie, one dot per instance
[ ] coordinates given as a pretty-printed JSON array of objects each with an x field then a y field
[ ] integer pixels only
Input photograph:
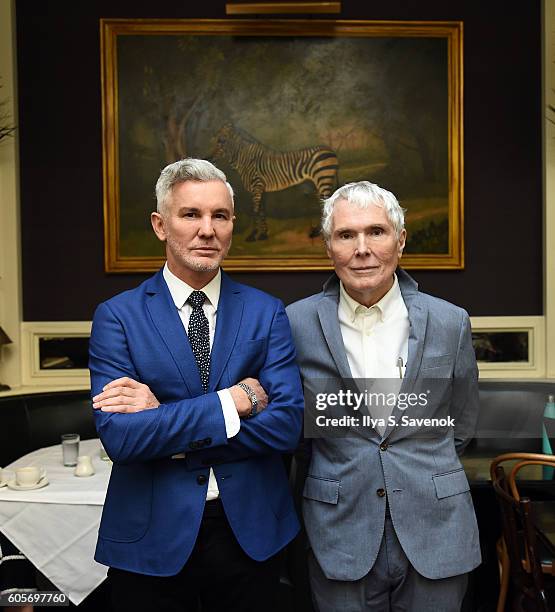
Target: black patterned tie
[{"x": 199, "y": 336}]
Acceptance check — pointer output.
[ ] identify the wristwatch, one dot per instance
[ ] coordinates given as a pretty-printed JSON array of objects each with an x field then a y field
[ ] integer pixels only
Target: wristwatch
[{"x": 252, "y": 397}]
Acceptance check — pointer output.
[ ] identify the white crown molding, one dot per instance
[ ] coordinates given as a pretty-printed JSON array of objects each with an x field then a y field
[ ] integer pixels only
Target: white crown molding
[
  {"x": 548, "y": 121},
  {"x": 534, "y": 367},
  {"x": 10, "y": 267},
  {"x": 33, "y": 374}
]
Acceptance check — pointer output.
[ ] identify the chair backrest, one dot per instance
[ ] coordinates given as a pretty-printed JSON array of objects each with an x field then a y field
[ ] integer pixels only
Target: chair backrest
[
  {"x": 513, "y": 533},
  {"x": 34, "y": 421},
  {"x": 519, "y": 532},
  {"x": 533, "y": 556}
]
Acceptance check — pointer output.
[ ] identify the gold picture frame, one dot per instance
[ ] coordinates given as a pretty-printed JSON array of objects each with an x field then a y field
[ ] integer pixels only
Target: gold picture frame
[
  {"x": 386, "y": 96},
  {"x": 281, "y": 8}
]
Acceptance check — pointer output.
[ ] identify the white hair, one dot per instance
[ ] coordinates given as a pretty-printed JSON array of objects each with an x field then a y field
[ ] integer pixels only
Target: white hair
[
  {"x": 363, "y": 194},
  {"x": 187, "y": 169}
]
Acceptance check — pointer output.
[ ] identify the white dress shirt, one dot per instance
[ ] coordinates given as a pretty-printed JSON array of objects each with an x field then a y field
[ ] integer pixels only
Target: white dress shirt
[
  {"x": 180, "y": 292},
  {"x": 375, "y": 338}
]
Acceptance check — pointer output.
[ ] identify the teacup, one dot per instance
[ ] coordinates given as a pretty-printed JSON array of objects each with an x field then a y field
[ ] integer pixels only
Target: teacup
[
  {"x": 84, "y": 466},
  {"x": 29, "y": 476}
]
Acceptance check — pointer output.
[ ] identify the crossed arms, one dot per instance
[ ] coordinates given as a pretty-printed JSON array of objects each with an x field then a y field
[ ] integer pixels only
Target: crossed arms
[{"x": 134, "y": 426}]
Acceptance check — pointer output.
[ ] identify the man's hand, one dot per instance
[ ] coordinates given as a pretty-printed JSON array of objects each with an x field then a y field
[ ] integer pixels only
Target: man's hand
[
  {"x": 125, "y": 395},
  {"x": 242, "y": 401}
]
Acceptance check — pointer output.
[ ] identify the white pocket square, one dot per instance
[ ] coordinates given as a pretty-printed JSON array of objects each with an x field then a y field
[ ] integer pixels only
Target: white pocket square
[{"x": 178, "y": 456}]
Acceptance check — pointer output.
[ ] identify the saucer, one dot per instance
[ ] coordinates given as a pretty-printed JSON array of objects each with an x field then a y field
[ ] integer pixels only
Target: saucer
[{"x": 12, "y": 484}]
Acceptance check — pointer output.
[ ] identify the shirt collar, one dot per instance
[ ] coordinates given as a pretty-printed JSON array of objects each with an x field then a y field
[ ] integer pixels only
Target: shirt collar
[
  {"x": 384, "y": 307},
  {"x": 180, "y": 290}
]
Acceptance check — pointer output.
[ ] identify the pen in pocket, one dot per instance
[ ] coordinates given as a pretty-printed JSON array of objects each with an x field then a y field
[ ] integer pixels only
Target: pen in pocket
[{"x": 400, "y": 366}]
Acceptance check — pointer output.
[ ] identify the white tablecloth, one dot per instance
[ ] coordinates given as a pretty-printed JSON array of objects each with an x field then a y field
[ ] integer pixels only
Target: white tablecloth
[{"x": 56, "y": 527}]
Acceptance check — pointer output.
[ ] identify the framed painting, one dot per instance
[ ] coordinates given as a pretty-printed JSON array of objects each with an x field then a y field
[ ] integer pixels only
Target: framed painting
[{"x": 304, "y": 106}]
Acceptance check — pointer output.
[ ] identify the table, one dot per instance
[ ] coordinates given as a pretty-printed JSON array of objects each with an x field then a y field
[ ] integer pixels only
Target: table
[{"x": 56, "y": 527}]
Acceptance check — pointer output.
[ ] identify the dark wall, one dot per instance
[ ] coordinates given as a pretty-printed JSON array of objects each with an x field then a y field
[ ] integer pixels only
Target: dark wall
[{"x": 61, "y": 154}]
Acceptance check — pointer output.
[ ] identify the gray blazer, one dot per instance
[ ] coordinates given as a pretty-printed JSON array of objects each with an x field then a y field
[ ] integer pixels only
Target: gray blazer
[{"x": 429, "y": 497}]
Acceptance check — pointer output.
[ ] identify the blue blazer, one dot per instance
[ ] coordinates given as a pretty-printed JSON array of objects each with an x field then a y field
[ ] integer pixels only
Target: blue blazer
[{"x": 154, "y": 503}]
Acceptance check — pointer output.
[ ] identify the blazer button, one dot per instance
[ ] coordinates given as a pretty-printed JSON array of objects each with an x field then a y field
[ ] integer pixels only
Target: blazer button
[
  {"x": 380, "y": 492},
  {"x": 201, "y": 479},
  {"x": 207, "y": 441},
  {"x": 383, "y": 446}
]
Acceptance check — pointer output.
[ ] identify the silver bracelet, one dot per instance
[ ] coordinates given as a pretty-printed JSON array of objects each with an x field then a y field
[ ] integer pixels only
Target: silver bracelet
[{"x": 252, "y": 397}]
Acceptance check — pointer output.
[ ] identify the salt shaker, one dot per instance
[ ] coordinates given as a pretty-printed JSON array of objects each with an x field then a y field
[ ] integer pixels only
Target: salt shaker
[{"x": 84, "y": 466}]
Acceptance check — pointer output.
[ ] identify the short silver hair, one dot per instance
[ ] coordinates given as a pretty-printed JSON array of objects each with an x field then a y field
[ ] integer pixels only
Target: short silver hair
[
  {"x": 188, "y": 169},
  {"x": 363, "y": 194}
]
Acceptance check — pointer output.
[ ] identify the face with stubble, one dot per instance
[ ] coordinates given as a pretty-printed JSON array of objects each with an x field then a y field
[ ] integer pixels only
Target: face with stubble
[
  {"x": 365, "y": 250},
  {"x": 196, "y": 224}
]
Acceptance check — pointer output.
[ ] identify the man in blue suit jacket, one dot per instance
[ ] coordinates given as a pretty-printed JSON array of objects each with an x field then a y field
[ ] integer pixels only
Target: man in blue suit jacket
[{"x": 196, "y": 395}]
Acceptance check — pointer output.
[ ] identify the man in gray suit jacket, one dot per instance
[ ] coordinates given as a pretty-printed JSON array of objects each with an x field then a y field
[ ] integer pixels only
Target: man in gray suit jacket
[{"x": 387, "y": 507}]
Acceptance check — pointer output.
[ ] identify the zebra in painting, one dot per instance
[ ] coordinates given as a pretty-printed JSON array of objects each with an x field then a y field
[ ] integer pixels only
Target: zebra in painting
[{"x": 263, "y": 169}]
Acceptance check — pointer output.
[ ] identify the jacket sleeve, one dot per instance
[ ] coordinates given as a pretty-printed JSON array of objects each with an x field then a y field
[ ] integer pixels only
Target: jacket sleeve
[
  {"x": 277, "y": 428},
  {"x": 188, "y": 424},
  {"x": 465, "y": 403}
]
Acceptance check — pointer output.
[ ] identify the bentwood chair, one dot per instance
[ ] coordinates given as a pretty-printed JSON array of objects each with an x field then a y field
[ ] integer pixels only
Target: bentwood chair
[{"x": 523, "y": 557}]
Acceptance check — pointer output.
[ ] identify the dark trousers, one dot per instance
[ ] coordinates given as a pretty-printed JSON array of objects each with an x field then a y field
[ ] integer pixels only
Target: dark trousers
[{"x": 218, "y": 575}]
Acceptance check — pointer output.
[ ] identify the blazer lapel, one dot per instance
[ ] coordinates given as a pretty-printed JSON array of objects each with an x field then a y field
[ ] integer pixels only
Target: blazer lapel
[
  {"x": 329, "y": 320},
  {"x": 228, "y": 322},
  {"x": 327, "y": 313},
  {"x": 418, "y": 320},
  {"x": 168, "y": 323}
]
